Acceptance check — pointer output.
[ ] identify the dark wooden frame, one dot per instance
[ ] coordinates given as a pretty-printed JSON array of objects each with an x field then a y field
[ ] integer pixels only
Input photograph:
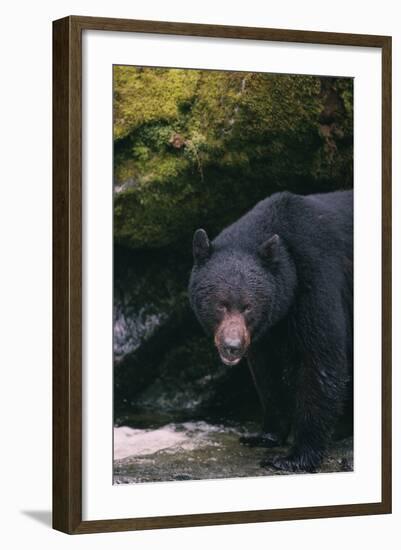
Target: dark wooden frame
[{"x": 67, "y": 278}]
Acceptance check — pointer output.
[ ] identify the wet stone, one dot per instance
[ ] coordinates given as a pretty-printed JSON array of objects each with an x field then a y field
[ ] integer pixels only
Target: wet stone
[{"x": 195, "y": 450}]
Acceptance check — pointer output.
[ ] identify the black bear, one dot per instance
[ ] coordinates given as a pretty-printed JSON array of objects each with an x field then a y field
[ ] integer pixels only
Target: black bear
[{"x": 276, "y": 286}]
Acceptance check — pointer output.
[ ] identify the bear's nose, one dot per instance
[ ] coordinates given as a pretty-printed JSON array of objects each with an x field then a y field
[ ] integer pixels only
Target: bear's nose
[{"x": 232, "y": 346}]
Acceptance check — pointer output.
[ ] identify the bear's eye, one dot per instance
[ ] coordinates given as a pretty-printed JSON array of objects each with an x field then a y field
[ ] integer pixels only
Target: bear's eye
[
  {"x": 221, "y": 307},
  {"x": 246, "y": 309}
]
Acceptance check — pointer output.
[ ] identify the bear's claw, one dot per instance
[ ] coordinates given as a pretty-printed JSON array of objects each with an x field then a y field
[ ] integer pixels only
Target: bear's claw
[{"x": 290, "y": 463}]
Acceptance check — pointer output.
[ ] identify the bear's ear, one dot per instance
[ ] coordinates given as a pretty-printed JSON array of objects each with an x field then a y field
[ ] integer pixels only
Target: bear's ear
[
  {"x": 201, "y": 246},
  {"x": 269, "y": 249}
]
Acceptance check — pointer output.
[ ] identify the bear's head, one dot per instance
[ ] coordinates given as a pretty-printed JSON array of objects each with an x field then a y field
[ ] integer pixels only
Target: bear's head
[{"x": 238, "y": 295}]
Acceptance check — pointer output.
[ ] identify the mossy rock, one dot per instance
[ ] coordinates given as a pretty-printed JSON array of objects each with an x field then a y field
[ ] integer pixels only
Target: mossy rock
[{"x": 199, "y": 148}]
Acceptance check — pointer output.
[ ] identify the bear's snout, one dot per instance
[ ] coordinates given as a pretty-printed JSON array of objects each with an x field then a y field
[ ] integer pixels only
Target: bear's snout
[{"x": 232, "y": 338}]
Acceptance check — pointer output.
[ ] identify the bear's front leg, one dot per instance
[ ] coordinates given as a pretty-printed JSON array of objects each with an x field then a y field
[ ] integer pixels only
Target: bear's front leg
[
  {"x": 312, "y": 429},
  {"x": 321, "y": 380},
  {"x": 319, "y": 397},
  {"x": 272, "y": 396}
]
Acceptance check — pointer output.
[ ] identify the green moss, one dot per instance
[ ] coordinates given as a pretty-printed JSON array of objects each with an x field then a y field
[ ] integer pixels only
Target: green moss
[{"x": 201, "y": 147}]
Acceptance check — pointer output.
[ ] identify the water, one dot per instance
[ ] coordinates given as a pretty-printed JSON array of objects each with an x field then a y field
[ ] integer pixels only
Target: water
[{"x": 197, "y": 449}]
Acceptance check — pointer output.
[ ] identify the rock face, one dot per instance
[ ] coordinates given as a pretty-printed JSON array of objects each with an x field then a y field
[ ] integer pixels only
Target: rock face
[{"x": 198, "y": 149}]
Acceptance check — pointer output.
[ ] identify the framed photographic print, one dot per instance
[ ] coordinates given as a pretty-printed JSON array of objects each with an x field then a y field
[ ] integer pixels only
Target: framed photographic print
[{"x": 222, "y": 270}]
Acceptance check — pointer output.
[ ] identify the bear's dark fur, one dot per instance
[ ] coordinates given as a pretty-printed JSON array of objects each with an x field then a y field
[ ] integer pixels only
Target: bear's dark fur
[{"x": 277, "y": 286}]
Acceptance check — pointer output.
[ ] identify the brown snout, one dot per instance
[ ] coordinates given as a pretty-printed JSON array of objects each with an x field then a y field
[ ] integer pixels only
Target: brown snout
[{"x": 232, "y": 338}]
